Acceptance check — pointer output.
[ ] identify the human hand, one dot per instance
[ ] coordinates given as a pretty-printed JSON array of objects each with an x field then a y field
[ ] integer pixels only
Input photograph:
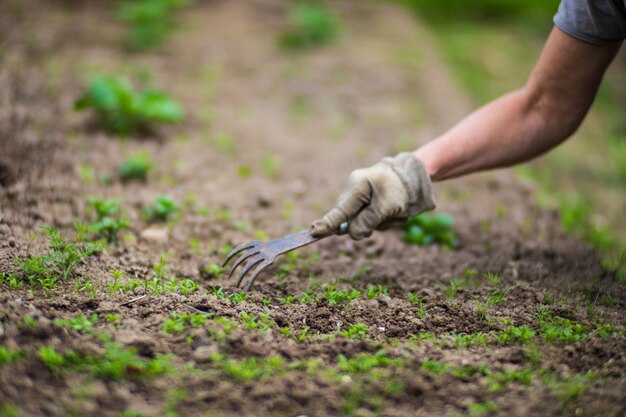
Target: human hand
[{"x": 393, "y": 189}]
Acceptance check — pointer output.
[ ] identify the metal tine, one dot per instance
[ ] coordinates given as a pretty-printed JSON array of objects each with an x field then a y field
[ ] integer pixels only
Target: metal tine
[
  {"x": 251, "y": 263},
  {"x": 241, "y": 259},
  {"x": 256, "y": 272},
  {"x": 238, "y": 249}
]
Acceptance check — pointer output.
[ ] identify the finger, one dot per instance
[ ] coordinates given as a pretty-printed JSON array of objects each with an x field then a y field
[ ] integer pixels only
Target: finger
[
  {"x": 364, "y": 223},
  {"x": 348, "y": 205},
  {"x": 391, "y": 223}
]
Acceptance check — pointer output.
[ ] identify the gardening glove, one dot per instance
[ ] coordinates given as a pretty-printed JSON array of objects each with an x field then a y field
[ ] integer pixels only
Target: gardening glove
[{"x": 393, "y": 189}]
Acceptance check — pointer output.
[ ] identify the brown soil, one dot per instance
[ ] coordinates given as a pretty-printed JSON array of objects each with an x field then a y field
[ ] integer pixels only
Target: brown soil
[{"x": 320, "y": 114}]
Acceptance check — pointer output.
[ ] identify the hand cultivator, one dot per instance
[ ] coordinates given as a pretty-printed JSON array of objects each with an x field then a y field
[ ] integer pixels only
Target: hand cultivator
[{"x": 259, "y": 255}]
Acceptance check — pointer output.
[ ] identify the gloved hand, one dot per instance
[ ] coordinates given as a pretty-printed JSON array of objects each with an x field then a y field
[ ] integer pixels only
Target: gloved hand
[{"x": 393, "y": 189}]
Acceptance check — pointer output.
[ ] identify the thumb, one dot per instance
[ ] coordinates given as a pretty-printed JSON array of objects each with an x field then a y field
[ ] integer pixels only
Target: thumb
[{"x": 348, "y": 205}]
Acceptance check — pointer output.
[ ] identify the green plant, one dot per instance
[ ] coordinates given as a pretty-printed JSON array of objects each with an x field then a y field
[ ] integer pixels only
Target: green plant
[
  {"x": 250, "y": 368},
  {"x": 122, "y": 110},
  {"x": 163, "y": 209},
  {"x": 11, "y": 280},
  {"x": 79, "y": 323},
  {"x": 365, "y": 362},
  {"x": 469, "y": 340},
  {"x": 426, "y": 229},
  {"x": 117, "y": 362},
  {"x": 270, "y": 166},
  {"x": 148, "y": 22},
  {"x": 9, "y": 356},
  {"x": 51, "y": 359},
  {"x": 513, "y": 334},
  {"x": 355, "y": 331},
  {"x": 261, "y": 323},
  {"x": 335, "y": 296},
  {"x": 178, "y": 322},
  {"x": 452, "y": 288},
  {"x": 9, "y": 410},
  {"x": 311, "y": 25},
  {"x": 435, "y": 367},
  {"x": 555, "y": 328},
  {"x": 107, "y": 224},
  {"x": 136, "y": 167},
  {"x": 58, "y": 263},
  {"x": 375, "y": 292}
]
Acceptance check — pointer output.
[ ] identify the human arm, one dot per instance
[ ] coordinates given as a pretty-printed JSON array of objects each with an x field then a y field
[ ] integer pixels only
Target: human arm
[
  {"x": 527, "y": 122},
  {"x": 512, "y": 129}
]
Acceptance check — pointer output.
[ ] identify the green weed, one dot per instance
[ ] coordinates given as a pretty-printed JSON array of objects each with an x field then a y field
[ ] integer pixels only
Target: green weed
[
  {"x": 311, "y": 25},
  {"x": 452, "y": 288},
  {"x": 13, "y": 281},
  {"x": 163, "y": 209},
  {"x": 270, "y": 166},
  {"x": 149, "y": 22},
  {"x": 435, "y": 367},
  {"x": 514, "y": 334},
  {"x": 375, "y": 292},
  {"x": 117, "y": 362},
  {"x": 79, "y": 323},
  {"x": 555, "y": 328},
  {"x": 469, "y": 340},
  {"x": 427, "y": 229},
  {"x": 107, "y": 224},
  {"x": 355, "y": 331},
  {"x": 178, "y": 322},
  {"x": 8, "y": 356},
  {"x": 122, "y": 110},
  {"x": 57, "y": 264},
  {"x": 136, "y": 167},
  {"x": 9, "y": 410},
  {"x": 335, "y": 296},
  {"x": 260, "y": 323},
  {"x": 365, "y": 362},
  {"x": 250, "y": 368},
  {"x": 52, "y": 359}
]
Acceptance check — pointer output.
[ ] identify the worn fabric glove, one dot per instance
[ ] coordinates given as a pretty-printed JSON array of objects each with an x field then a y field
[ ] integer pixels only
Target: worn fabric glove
[{"x": 393, "y": 189}]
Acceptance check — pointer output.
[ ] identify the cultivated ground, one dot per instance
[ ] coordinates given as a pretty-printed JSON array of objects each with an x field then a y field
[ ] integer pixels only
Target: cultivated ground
[{"x": 519, "y": 320}]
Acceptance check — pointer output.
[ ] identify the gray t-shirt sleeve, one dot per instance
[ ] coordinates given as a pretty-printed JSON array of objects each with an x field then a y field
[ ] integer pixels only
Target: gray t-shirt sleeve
[{"x": 595, "y": 21}]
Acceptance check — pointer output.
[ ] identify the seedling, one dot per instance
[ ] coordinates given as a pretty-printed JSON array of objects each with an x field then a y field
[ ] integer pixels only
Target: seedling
[
  {"x": 340, "y": 296},
  {"x": 435, "y": 367},
  {"x": 355, "y": 331},
  {"x": 8, "y": 356},
  {"x": 163, "y": 209},
  {"x": 13, "y": 281},
  {"x": 149, "y": 21},
  {"x": 427, "y": 229},
  {"x": 375, "y": 292},
  {"x": 270, "y": 166},
  {"x": 365, "y": 362},
  {"x": 81, "y": 323},
  {"x": 261, "y": 323},
  {"x": 135, "y": 167},
  {"x": 214, "y": 271},
  {"x": 52, "y": 359},
  {"x": 122, "y": 110},
  {"x": 108, "y": 223},
  {"x": 555, "y": 328},
  {"x": 312, "y": 25},
  {"x": 452, "y": 288},
  {"x": 178, "y": 322},
  {"x": 250, "y": 368},
  {"x": 57, "y": 264}
]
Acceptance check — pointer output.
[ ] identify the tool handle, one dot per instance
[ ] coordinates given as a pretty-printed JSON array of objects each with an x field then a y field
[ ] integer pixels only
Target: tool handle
[{"x": 343, "y": 229}]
